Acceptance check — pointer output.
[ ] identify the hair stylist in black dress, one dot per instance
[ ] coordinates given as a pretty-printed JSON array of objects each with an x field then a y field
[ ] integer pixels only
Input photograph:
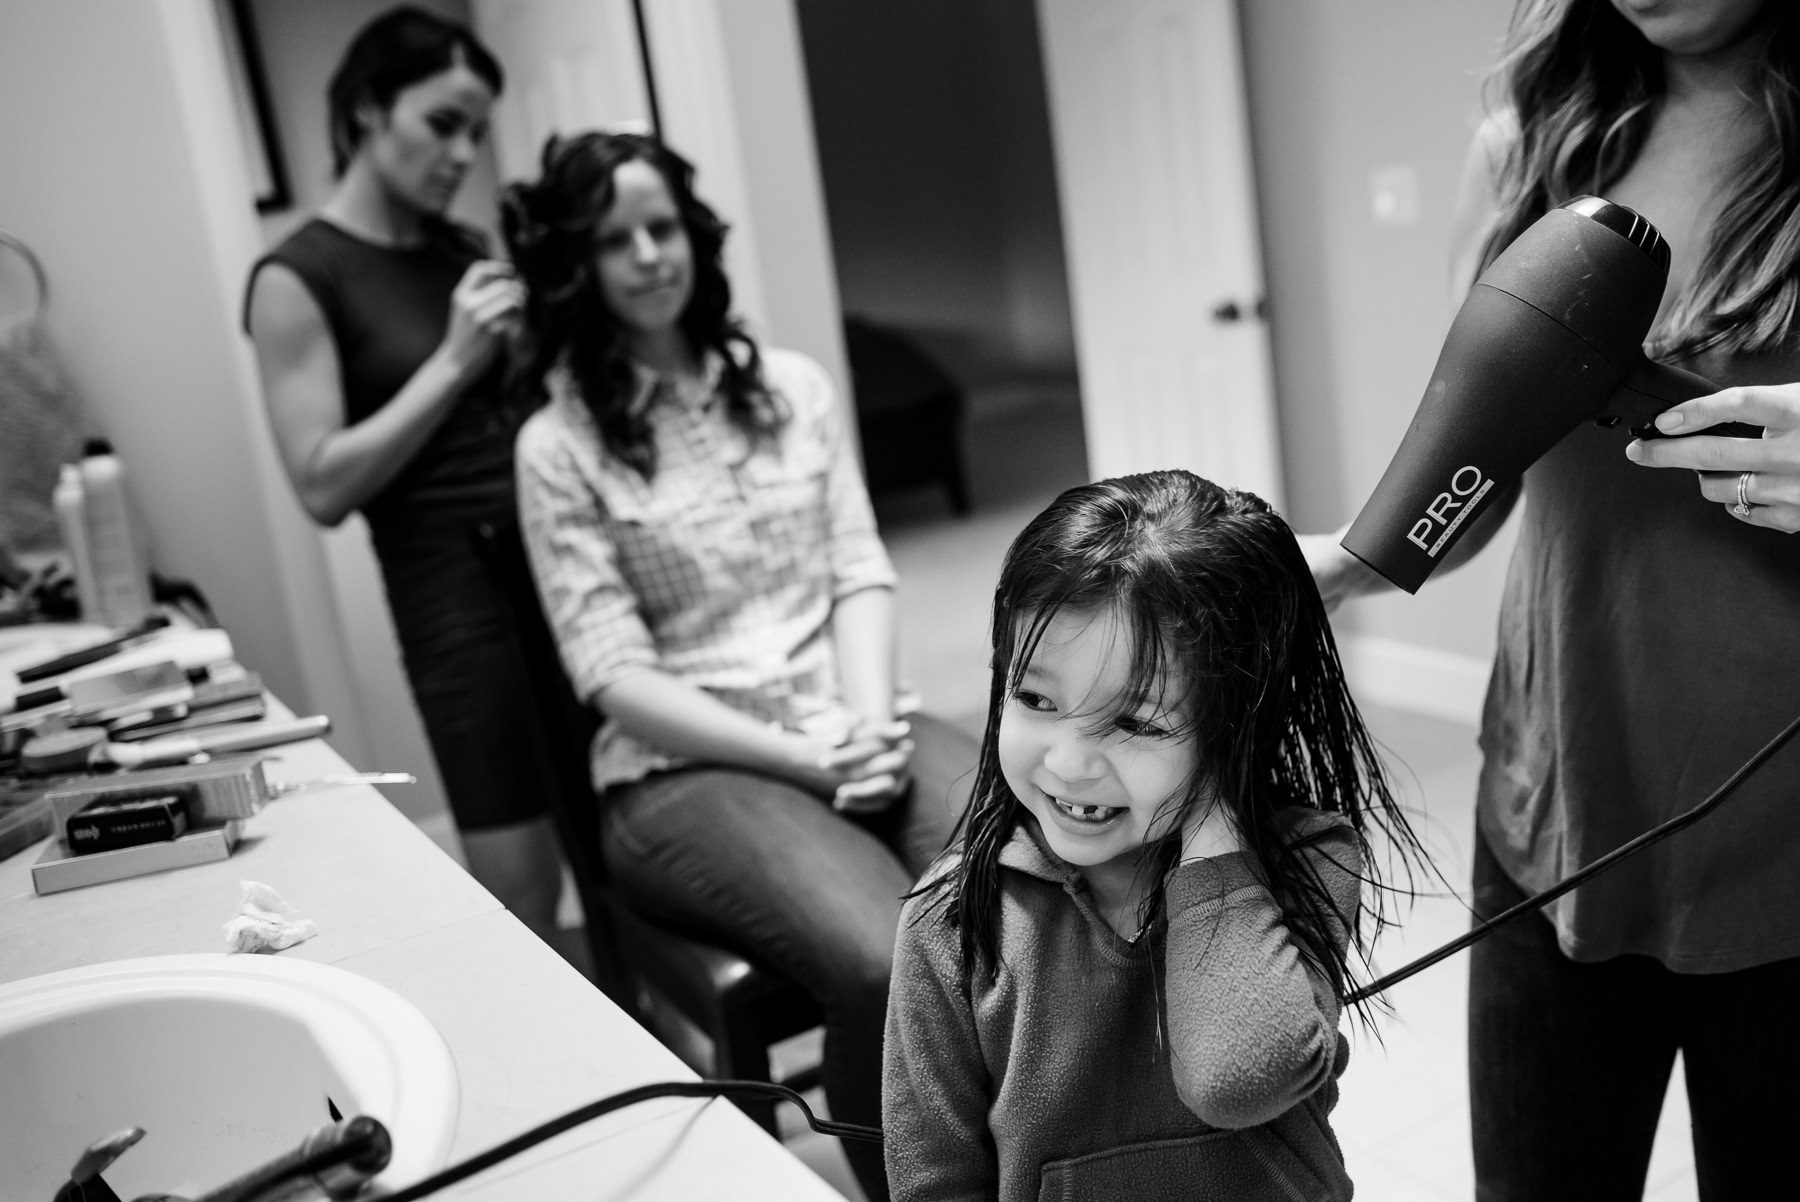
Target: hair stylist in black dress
[{"x": 379, "y": 328}]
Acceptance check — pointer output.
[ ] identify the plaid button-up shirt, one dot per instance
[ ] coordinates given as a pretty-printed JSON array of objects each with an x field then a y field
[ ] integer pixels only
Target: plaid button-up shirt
[{"x": 720, "y": 570}]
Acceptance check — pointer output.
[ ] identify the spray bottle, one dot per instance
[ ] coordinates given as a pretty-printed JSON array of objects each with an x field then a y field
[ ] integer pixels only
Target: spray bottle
[
  {"x": 121, "y": 577},
  {"x": 70, "y": 502}
]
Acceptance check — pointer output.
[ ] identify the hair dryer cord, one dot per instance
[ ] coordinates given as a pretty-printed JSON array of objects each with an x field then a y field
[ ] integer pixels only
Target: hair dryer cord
[
  {"x": 1655, "y": 835},
  {"x": 618, "y": 1101}
]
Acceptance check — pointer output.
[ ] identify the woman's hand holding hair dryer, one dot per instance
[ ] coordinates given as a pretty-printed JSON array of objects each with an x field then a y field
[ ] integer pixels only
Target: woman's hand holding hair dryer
[
  {"x": 1339, "y": 574},
  {"x": 1756, "y": 479}
]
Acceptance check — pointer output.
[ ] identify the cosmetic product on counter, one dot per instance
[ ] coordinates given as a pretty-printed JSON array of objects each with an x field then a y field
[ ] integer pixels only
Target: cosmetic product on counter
[
  {"x": 213, "y": 792},
  {"x": 70, "y": 502},
  {"x": 100, "y": 700},
  {"x": 121, "y": 577},
  {"x": 58, "y": 868},
  {"x": 88, "y": 748},
  {"x": 93, "y": 653},
  {"x": 200, "y": 652},
  {"x": 213, "y": 800},
  {"x": 107, "y": 825}
]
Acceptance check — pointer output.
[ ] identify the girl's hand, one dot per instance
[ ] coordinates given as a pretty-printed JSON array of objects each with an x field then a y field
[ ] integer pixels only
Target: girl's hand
[
  {"x": 875, "y": 765},
  {"x": 1762, "y": 472},
  {"x": 1207, "y": 831},
  {"x": 485, "y": 311}
]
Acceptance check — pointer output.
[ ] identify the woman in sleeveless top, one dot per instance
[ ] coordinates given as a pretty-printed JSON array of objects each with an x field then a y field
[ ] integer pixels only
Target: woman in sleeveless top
[
  {"x": 379, "y": 328},
  {"x": 1649, "y": 634}
]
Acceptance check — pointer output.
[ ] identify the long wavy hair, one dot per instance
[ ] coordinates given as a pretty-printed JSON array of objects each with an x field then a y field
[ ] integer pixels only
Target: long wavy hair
[
  {"x": 1582, "y": 85},
  {"x": 1213, "y": 592},
  {"x": 394, "y": 51},
  {"x": 551, "y": 228}
]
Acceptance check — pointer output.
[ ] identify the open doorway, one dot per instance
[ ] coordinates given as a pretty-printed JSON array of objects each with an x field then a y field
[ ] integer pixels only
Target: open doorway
[
  {"x": 935, "y": 153},
  {"x": 933, "y": 136}
]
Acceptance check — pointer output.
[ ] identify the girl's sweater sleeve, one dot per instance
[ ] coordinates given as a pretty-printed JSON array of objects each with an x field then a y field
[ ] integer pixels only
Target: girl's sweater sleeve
[
  {"x": 934, "y": 1088},
  {"x": 1252, "y": 1029}
]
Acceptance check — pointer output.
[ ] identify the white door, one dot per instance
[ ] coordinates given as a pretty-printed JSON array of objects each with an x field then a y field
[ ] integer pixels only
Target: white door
[
  {"x": 1148, "y": 116},
  {"x": 571, "y": 66}
]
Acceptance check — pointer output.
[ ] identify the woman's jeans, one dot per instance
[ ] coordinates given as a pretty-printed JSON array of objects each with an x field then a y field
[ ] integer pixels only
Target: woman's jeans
[
  {"x": 1568, "y": 1064},
  {"x": 772, "y": 871}
]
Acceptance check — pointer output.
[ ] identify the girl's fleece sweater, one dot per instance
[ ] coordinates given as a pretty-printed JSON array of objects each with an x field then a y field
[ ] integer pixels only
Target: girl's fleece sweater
[{"x": 1068, "y": 1077}]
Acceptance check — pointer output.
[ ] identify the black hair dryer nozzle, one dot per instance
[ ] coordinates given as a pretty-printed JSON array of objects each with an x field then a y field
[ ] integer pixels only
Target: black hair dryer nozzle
[{"x": 1550, "y": 336}]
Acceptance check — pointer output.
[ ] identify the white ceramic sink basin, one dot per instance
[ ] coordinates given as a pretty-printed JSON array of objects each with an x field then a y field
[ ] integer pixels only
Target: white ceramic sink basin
[{"x": 226, "y": 1062}]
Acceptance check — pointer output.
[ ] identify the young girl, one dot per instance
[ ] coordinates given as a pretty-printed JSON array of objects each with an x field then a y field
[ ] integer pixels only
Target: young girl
[{"x": 1124, "y": 979}]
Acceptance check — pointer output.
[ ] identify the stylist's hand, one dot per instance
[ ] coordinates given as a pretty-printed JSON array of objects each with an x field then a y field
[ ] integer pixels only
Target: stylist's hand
[
  {"x": 1765, "y": 470},
  {"x": 485, "y": 311},
  {"x": 1339, "y": 574},
  {"x": 875, "y": 764}
]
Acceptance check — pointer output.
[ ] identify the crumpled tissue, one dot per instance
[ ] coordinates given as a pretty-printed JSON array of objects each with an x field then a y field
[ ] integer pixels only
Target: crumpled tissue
[{"x": 265, "y": 922}]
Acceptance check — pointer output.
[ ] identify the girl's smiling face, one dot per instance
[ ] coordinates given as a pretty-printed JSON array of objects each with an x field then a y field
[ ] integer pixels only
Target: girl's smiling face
[{"x": 1100, "y": 770}]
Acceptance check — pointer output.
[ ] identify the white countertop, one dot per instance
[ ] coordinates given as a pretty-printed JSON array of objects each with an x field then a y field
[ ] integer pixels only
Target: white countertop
[{"x": 532, "y": 1038}]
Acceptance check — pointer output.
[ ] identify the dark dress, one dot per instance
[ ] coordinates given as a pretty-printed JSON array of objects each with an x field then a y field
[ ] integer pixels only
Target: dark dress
[
  {"x": 503, "y": 724},
  {"x": 1649, "y": 643}
]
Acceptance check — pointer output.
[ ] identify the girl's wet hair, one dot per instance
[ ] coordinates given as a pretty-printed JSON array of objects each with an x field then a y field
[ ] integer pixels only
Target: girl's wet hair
[
  {"x": 1213, "y": 596},
  {"x": 551, "y": 228},
  {"x": 391, "y": 53}
]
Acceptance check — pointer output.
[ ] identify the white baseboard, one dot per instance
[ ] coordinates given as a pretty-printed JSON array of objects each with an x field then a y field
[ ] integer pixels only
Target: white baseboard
[{"x": 1405, "y": 676}]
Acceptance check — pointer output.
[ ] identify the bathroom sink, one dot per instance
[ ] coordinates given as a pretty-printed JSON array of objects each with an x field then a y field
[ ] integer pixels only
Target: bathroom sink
[{"x": 226, "y": 1062}]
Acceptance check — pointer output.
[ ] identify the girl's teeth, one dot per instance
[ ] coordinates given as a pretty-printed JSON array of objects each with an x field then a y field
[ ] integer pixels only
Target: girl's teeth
[{"x": 1088, "y": 813}]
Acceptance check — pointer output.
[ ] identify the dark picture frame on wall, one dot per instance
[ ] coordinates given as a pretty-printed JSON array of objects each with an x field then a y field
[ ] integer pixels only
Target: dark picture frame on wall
[{"x": 255, "y": 116}]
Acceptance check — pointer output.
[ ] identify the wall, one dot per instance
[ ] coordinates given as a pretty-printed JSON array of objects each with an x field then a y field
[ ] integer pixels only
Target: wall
[
  {"x": 731, "y": 94},
  {"x": 1339, "y": 94},
  {"x": 137, "y": 200},
  {"x": 934, "y": 144}
]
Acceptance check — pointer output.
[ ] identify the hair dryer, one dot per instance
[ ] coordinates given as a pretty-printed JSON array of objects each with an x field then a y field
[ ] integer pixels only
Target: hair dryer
[{"x": 1550, "y": 336}]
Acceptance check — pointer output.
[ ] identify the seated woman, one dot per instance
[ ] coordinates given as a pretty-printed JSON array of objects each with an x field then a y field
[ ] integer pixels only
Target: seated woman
[{"x": 707, "y": 556}]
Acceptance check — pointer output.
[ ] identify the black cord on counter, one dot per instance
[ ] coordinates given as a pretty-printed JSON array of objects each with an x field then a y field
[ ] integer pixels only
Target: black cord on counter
[{"x": 618, "y": 1101}]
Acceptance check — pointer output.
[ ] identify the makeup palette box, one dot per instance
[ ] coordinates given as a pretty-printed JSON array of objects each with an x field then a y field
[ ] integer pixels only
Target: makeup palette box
[{"x": 58, "y": 868}]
